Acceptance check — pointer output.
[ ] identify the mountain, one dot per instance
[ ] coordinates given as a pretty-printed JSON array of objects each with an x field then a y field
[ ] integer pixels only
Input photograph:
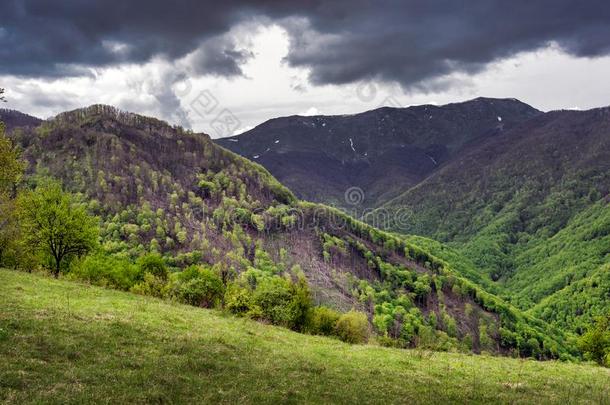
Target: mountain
[
  {"x": 158, "y": 188},
  {"x": 529, "y": 208},
  {"x": 521, "y": 196},
  {"x": 13, "y": 119},
  {"x": 383, "y": 151}
]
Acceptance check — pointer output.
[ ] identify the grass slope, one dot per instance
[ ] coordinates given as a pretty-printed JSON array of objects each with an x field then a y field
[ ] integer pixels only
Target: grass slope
[{"x": 68, "y": 343}]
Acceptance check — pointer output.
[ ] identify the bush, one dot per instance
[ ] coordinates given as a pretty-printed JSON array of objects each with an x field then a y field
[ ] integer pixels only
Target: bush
[
  {"x": 282, "y": 302},
  {"x": 106, "y": 271},
  {"x": 198, "y": 286},
  {"x": 301, "y": 303},
  {"x": 153, "y": 263},
  {"x": 238, "y": 300},
  {"x": 322, "y": 321},
  {"x": 151, "y": 285},
  {"x": 353, "y": 327},
  {"x": 273, "y": 296},
  {"x": 595, "y": 343}
]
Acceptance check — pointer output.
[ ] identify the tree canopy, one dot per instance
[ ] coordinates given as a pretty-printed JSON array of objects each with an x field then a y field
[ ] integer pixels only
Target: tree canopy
[{"x": 55, "y": 225}]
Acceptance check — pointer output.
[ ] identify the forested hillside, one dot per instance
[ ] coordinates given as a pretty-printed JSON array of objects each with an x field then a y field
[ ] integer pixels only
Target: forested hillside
[
  {"x": 529, "y": 208},
  {"x": 169, "y": 198},
  {"x": 522, "y": 196}
]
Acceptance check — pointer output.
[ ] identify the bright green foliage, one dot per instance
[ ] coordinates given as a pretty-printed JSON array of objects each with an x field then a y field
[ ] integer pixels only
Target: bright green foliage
[
  {"x": 397, "y": 318},
  {"x": 153, "y": 263},
  {"x": 595, "y": 343},
  {"x": 106, "y": 271},
  {"x": 55, "y": 225},
  {"x": 536, "y": 231},
  {"x": 332, "y": 246},
  {"x": 239, "y": 301},
  {"x": 198, "y": 286},
  {"x": 322, "y": 321},
  {"x": 152, "y": 286},
  {"x": 258, "y": 222},
  {"x": 353, "y": 327},
  {"x": 282, "y": 302},
  {"x": 263, "y": 262}
]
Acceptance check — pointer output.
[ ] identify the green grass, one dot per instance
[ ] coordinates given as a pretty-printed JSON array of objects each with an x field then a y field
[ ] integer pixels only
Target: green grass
[{"x": 64, "y": 342}]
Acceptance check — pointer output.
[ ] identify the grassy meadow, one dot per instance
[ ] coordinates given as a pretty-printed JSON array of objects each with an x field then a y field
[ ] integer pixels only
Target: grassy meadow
[{"x": 65, "y": 342}]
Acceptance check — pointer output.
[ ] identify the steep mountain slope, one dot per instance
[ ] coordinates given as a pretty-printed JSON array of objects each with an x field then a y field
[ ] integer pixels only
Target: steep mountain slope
[
  {"x": 383, "y": 151},
  {"x": 160, "y": 188},
  {"x": 530, "y": 208}
]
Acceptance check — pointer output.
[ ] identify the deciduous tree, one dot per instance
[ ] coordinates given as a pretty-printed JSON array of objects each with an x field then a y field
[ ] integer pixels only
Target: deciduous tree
[{"x": 55, "y": 224}]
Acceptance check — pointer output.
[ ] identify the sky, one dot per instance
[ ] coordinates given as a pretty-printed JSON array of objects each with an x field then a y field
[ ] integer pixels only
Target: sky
[{"x": 225, "y": 68}]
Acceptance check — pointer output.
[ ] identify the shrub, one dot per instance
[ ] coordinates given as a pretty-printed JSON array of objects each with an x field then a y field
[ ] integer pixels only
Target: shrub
[
  {"x": 353, "y": 327},
  {"x": 198, "y": 286},
  {"x": 282, "y": 302},
  {"x": 595, "y": 343},
  {"x": 106, "y": 271},
  {"x": 322, "y": 321},
  {"x": 153, "y": 263},
  {"x": 151, "y": 285},
  {"x": 201, "y": 292},
  {"x": 238, "y": 300},
  {"x": 273, "y": 296},
  {"x": 301, "y": 303}
]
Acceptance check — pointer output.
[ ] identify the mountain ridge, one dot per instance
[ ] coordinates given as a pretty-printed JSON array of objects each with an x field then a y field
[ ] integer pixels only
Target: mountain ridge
[{"x": 363, "y": 150}]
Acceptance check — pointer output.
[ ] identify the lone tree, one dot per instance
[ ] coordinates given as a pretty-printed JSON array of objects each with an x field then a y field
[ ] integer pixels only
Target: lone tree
[{"x": 56, "y": 225}]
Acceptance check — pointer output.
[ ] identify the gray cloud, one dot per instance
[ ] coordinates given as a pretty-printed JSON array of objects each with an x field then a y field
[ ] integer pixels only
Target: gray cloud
[
  {"x": 411, "y": 42},
  {"x": 219, "y": 56}
]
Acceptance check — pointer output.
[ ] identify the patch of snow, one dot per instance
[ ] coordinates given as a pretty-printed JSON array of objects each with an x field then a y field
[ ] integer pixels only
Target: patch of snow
[
  {"x": 499, "y": 119},
  {"x": 268, "y": 149},
  {"x": 432, "y": 159},
  {"x": 277, "y": 141},
  {"x": 430, "y": 117},
  {"x": 233, "y": 140},
  {"x": 256, "y": 156},
  {"x": 324, "y": 124},
  {"x": 351, "y": 144}
]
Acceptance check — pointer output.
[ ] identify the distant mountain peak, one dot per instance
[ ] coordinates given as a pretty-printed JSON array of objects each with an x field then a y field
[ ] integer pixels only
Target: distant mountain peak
[
  {"x": 319, "y": 157},
  {"x": 106, "y": 117},
  {"x": 13, "y": 118},
  {"x": 103, "y": 111}
]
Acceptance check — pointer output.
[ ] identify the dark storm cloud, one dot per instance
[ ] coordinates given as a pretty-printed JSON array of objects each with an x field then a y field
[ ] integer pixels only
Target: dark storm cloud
[
  {"x": 411, "y": 42},
  {"x": 219, "y": 56}
]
